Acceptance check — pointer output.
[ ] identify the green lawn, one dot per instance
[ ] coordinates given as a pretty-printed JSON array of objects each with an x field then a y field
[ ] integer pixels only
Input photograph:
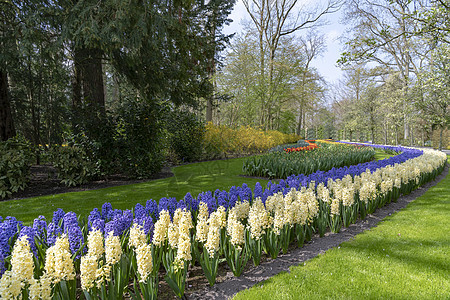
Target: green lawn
[
  {"x": 380, "y": 154},
  {"x": 193, "y": 178},
  {"x": 407, "y": 256}
]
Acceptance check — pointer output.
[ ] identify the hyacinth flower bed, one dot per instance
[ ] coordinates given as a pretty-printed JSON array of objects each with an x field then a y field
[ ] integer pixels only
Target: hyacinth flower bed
[
  {"x": 113, "y": 253},
  {"x": 282, "y": 164}
]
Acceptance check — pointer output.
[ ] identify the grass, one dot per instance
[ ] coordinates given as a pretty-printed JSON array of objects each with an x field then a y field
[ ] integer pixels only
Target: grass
[
  {"x": 405, "y": 257},
  {"x": 380, "y": 154},
  {"x": 193, "y": 178}
]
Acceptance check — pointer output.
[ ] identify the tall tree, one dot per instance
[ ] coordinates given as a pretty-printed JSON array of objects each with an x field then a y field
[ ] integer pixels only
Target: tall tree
[
  {"x": 435, "y": 104},
  {"x": 216, "y": 15},
  {"x": 313, "y": 45},
  {"x": 433, "y": 20},
  {"x": 8, "y": 21},
  {"x": 7, "y": 129},
  {"x": 273, "y": 21},
  {"x": 381, "y": 35}
]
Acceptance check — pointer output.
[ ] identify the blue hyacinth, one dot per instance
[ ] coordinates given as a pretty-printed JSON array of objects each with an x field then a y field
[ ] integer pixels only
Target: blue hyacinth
[
  {"x": 106, "y": 211},
  {"x": 169, "y": 204},
  {"x": 69, "y": 220},
  {"x": 152, "y": 208},
  {"x": 76, "y": 239},
  {"x": 8, "y": 229},
  {"x": 182, "y": 204},
  {"x": 140, "y": 211},
  {"x": 258, "y": 190},
  {"x": 53, "y": 232},
  {"x": 40, "y": 226},
  {"x": 222, "y": 198},
  {"x": 58, "y": 215},
  {"x": 93, "y": 216},
  {"x": 30, "y": 233},
  {"x": 98, "y": 224}
]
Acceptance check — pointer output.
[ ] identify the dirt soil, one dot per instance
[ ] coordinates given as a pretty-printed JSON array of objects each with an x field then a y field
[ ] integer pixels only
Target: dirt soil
[{"x": 44, "y": 181}]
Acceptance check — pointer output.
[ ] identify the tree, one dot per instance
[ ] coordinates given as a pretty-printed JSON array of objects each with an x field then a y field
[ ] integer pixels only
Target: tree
[
  {"x": 435, "y": 103},
  {"x": 273, "y": 21},
  {"x": 239, "y": 79},
  {"x": 381, "y": 36},
  {"x": 433, "y": 20},
  {"x": 291, "y": 83},
  {"x": 313, "y": 45},
  {"x": 217, "y": 12},
  {"x": 8, "y": 12}
]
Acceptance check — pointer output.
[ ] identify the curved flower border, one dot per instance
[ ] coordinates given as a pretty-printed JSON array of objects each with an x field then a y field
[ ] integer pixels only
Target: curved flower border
[{"x": 239, "y": 224}]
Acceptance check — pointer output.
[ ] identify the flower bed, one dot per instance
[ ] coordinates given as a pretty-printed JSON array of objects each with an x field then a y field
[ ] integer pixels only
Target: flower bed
[
  {"x": 113, "y": 252},
  {"x": 310, "y": 146},
  {"x": 328, "y": 156}
]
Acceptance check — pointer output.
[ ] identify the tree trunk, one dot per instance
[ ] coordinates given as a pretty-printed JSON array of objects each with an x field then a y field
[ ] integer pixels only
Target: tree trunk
[
  {"x": 76, "y": 80},
  {"x": 7, "y": 129},
  {"x": 440, "y": 137},
  {"x": 92, "y": 79},
  {"x": 373, "y": 134},
  {"x": 411, "y": 136},
  {"x": 299, "y": 125},
  {"x": 212, "y": 70}
]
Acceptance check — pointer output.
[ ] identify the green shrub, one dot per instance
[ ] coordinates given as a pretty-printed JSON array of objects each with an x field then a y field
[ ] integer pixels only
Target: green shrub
[
  {"x": 16, "y": 158},
  {"x": 129, "y": 142},
  {"x": 139, "y": 138},
  {"x": 185, "y": 135},
  {"x": 73, "y": 165}
]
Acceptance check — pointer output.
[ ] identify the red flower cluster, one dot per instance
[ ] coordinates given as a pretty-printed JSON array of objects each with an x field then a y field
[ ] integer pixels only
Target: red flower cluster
[{"x": 306, "y": 148}]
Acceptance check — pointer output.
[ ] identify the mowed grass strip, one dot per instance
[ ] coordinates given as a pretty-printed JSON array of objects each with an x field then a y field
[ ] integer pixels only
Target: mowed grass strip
[
  {"x": 193, "y": 178},
  {"x": 407, "y": 256}
]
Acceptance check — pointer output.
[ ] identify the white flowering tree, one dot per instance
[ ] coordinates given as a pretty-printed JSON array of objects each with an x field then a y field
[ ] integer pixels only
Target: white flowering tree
[{"x": 435, "y": 80}]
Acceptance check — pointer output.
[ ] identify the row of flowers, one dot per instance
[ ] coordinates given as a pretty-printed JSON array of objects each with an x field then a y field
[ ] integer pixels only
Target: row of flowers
[
  {"x": 113, "y": 252},
  {"x": 326, "y": 157},
  {"x": 311, "y": 146}
]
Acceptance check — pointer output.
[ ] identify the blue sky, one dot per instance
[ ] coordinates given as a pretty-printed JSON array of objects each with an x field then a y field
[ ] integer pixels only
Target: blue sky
[{"x": 326, "y": 65}]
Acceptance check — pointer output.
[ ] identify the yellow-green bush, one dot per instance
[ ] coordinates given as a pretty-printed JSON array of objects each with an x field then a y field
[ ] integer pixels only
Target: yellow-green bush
[{"x": 221, "y": 140}]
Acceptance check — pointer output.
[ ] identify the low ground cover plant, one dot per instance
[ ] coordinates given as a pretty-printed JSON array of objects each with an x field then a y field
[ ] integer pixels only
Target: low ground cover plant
[
  {"x": 114, "y": 252},
  {"x": 281, "y": 164}
]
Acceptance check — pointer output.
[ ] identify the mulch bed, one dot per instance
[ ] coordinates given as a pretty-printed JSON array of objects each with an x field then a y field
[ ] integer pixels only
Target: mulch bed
[{"x": 44, "y": 181}]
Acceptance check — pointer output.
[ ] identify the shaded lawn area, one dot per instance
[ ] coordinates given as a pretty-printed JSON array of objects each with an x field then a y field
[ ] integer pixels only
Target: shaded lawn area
[
  {"x": 407, "y": 256},
  {"x": 193, "y": 178}
]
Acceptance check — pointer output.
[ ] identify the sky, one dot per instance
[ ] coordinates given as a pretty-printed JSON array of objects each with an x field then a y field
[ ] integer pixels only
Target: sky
[{"x": 326, "y": 65}]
